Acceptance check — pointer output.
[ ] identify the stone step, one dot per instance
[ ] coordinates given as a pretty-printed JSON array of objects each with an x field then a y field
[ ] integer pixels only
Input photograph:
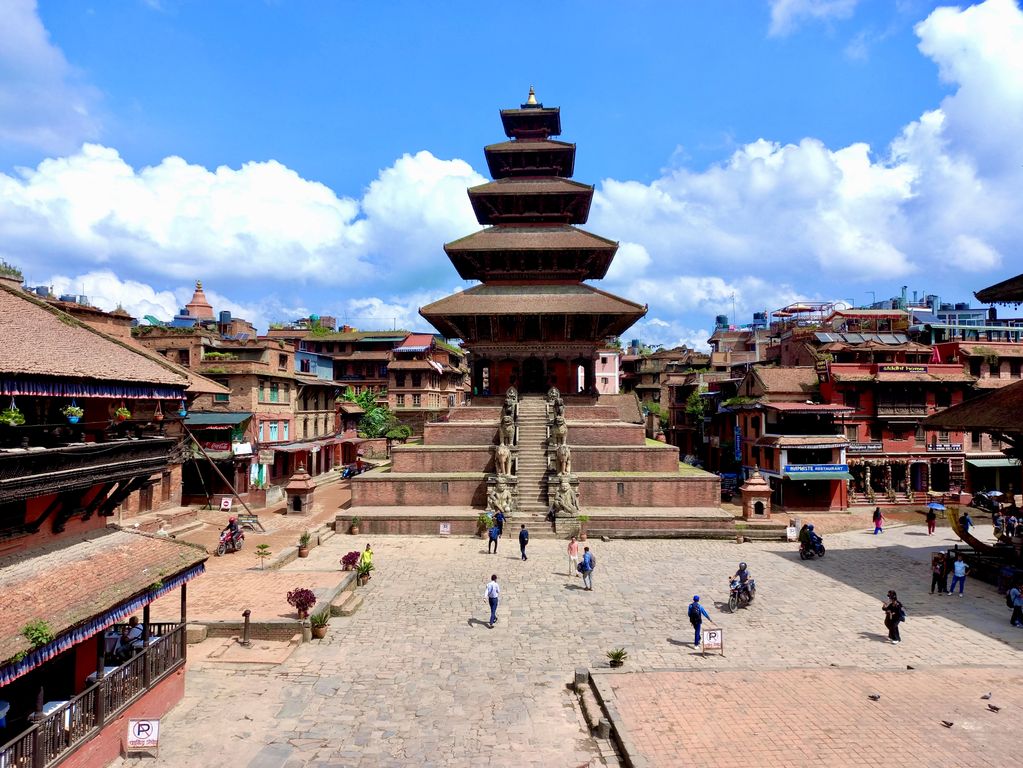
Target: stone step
[
  {"x": 338, "y": 603},
  {"x": 352, "y": 604}
]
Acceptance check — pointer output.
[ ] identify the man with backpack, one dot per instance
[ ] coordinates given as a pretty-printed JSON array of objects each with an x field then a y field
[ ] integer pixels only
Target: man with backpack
[
  {"x": 1014, "y": 600},
  {"x": 586, "y": 569},
  {"x": 697, "y": 613}
]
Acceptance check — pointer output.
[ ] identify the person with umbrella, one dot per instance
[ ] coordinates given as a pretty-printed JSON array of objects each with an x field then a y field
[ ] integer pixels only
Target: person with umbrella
[{"x": 932, "y": 516}]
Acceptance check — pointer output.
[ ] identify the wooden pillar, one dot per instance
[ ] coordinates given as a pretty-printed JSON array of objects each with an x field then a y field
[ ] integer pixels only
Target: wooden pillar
[
  {"x": 145, "y": 648},
  {"x": 99, "y": 703},
  {"x": 184, "y": 618}
]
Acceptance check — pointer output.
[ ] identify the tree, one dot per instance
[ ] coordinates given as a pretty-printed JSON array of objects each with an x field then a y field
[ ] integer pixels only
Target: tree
[{"x": 378, "y": 420}]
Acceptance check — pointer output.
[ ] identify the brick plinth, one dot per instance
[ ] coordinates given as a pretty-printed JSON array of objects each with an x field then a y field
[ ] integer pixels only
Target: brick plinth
[
  {"x": 591, "y": 413},
  {"x": 453, "y": 458},
  {"x": 473, "y": 413},
  {"x": 654, "y": 490},
  {"x": 460, "y": 433},
  {"x": 605, "y": 433},
  {"x": 626, "y": 458},
  {"x": 394, "y": 489}
]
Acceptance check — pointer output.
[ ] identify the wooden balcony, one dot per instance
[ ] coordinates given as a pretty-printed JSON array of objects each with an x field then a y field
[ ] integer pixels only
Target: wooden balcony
[
  {"x": 56, "y": 735},
  {"x": 36, "y": 471}
]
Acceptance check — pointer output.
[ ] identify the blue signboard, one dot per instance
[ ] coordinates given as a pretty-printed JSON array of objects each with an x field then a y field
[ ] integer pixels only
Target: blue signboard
[
  {"x": 795, "y": 469},
  {"x": 738, "y": 443}
]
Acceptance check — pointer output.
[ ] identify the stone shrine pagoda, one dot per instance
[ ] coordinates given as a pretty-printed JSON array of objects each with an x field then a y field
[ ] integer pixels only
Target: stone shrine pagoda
[{"x": 532, "y": 323}]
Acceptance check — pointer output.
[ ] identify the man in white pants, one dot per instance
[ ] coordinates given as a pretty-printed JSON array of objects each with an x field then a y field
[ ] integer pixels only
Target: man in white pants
[{"x": 573, "y": 558}]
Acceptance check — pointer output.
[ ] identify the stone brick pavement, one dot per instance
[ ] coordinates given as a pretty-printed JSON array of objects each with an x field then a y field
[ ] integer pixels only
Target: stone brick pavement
[{"x": 416, "y": 677}]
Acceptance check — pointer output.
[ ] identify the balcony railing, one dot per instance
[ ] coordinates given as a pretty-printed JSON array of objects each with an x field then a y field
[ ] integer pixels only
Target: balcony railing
[
  {"x": 50, "y": 740},
  {"x": 36, "y": 472},
  {"x": 901, "y": 409}
]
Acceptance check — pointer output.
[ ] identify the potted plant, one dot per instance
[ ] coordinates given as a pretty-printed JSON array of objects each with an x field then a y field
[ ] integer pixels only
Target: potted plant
[
  {"x": 303, "y": 544},
  {"x": 617, "y": 656},
  {"x": 483, "y": 524},
  {"x": 319, "y": 624},
  {"x": 73, "y": 413},
  {"x": 349, "y": 561},
  {"x": 354, "y": 526},
  {"x": 12, "y": 416},
  {"x": 739, "y": 537},
  {"x": 122, "y": 414},
  {"x": 302, "y": 599},
  {"x": 583, "y": 519},
  {"x": 362, "y": 570}
]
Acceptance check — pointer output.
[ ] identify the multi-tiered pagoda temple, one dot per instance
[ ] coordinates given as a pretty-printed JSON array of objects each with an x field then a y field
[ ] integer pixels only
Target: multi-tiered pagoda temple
[{"x": 533, "y": 322}]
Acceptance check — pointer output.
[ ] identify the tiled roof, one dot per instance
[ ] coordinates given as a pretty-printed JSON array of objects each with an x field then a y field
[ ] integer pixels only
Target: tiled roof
[
  {"x": 1006, "y": 292},
  {"x": 525, "y": 238},
  {"x": 547, "y": 186},
  {"x": 365, "y": 354},
  {"x": 197, "y": 383},
  {"x": 999, "y": 409},
  {"x": 983, "y": 350},
  {"x": 40, "y": 340},
  {"x": 808, "y": 408},
  {"x": 957, "y": 377},
  {"x": 529, "y": 145},
  {"x": 993, "y": 383},
  {"x": 802, "y": 441},
  {"x": 525, "y": 299},
  {"x": 415, "y": 365},
  {"x": 791, "y": 379},
  {"x": 66, "y": 585}
]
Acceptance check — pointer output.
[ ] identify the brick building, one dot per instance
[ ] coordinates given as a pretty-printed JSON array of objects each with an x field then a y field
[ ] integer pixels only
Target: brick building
[
  {"x": 427, "y": 378},
  {"x": 84, "y": 429}
]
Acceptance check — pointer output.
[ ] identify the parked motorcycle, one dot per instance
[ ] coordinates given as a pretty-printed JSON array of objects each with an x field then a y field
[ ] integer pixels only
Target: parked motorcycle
[
  {"x": 739, "y": 597},
  {"x": 816, "y": 550},
  {"x": 985, "y": 502},
  {"x": 229, "y": 543}
]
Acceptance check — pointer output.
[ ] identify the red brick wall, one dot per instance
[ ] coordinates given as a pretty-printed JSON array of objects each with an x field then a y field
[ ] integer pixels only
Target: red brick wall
[
  {"x": 624, "y": 458},
  {"x": 72, "y": 528},
  {"x": 460, "y": 433},
  {"x": 475, "y": 413},
  {"x": 618, "y": 433},
  {"x": 414, "y": 458},
  {"x": 592, "y": 413},
  {"x": 417, "y": 526},
  {"x": 388, "y": 492},
  {"x": 109, "y": 743},
  {"x": 650, "y": 492}
]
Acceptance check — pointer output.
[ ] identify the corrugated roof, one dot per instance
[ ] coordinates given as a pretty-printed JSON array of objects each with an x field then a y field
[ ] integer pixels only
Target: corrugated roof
[
  {"x": 416, "y": 342},
  {"x": 38, "y": 339},
  {"x": 206, "y": 419}
]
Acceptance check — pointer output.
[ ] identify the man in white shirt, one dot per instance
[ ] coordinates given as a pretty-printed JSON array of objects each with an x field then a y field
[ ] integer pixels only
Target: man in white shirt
[{"x": 493, "y": 594}]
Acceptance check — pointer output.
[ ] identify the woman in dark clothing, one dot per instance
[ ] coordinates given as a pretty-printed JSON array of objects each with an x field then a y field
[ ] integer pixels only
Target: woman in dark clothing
[{"x": 892, "y": 616}]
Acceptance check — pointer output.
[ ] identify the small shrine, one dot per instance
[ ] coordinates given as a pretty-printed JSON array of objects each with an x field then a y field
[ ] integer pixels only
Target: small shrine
[
  {"x": 300, "y": 490},
  {"x": 756, "y": 497}
]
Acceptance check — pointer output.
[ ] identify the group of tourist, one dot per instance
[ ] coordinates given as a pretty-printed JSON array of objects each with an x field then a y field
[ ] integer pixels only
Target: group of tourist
[
  {"x": 944, "y": 564},
  {"x": 496, "y": 531}
]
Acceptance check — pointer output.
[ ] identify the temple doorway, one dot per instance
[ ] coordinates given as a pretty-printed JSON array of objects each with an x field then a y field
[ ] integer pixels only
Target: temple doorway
[{"x": 533, "y": 378}]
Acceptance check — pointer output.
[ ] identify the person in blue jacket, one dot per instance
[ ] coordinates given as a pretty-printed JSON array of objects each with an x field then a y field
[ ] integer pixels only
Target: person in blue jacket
[
  {"x": 494, "y": 534},
  {"x": 697, "y": 613},
  {"x": 523, "y": 540}
]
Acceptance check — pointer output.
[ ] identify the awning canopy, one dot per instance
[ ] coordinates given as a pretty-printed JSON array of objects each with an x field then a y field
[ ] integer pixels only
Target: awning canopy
[
  {"x": 197, "y": 419},
  {"x": 991, "y": 463},
  {"x": 85, "y": 587},
  {"x": 305, "y": 445},
  {"x": 818, "y": 476}
]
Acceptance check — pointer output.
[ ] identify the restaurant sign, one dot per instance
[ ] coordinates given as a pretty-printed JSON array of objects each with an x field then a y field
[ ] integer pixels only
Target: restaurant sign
[
  {"x": 945, "y": 448},
  {"x": 266, "y": 456},
  {"x": 863, "y": 447},
  {"x": 216, "y": 445},
  {"x": 901, "y": 368},
  {"x": 795, "y": 469},
  {"x": 823, "y": 368}
]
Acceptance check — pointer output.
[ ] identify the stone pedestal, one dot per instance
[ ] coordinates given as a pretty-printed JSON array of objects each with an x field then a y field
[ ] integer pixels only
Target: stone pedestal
[
  {"x": 300, "y": 490},
  {"x": 756, "y": 497}
]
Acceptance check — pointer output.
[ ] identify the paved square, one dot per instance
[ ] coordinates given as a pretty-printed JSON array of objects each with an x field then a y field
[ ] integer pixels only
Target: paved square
[{"x": 416, "y": 677}]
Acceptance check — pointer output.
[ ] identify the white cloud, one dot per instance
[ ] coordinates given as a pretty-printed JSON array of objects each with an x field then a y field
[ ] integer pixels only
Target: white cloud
[
  {"x": 43, "y": 104},
  {"x": 786, "y": 15},
  {"x": 258, "y": 222},
  {"x": 107, "y": 291}
]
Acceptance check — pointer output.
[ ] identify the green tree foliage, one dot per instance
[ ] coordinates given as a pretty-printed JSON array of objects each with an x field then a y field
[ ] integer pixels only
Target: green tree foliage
[
  {"x": 695, "y": 405},
  {"x": 378, "y": 420}
]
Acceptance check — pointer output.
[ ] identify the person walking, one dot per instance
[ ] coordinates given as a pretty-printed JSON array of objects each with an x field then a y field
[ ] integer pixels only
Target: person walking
[
  {"x": 966, "y": 522},
  {"x": 523, "y": 541},
  {"x": 1010, "y": 526},
  {"x": 938, "y": 577},
  {"x": 893, "y": 616},
  {"x": 932, "y": 519},
  {"x": 499, "y": 521},
  {"x": 573, "y": 557},
  {"x": 1016, "y": 598},
  {"x": 959, "y": 571},
  {"x": 493, "y": 596},
  {"x": 878, "y": 521},
  {"x": 589, "y": 562},
  {"x": 997, "y": 522},
  {"x": 494, "y": 534},
  {"x": 697, "y": 613}
]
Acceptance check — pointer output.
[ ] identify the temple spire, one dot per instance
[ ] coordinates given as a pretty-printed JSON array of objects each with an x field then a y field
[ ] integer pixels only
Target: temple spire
[{"x": 531, "y": 101}]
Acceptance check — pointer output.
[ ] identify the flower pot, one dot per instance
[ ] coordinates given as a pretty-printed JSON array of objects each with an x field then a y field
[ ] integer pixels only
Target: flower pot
[
  {"x": 73, "y": 419},
  {"x": 582, "y": 535},
  {"x": 616, "y": 663},
  {"x": 739, "y": 539},
  {"x": 319, "y": 632},
  {"x": 119, "y": 417},
  {"x": 157, "y": 417},
  {"x": 347, "y": 568},
  {"x": 303, "y": 551},
  {"x": 303, "y": 614},
  {"x": 355, "y": 530},
  {"x": 361, "y": 580}
]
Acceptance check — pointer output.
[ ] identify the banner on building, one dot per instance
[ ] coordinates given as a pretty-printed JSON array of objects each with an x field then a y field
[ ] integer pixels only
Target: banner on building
[
  {"x": 900, "y": 368},
  {"x": 796, "y": 469},
  {"x": 738, "y": 443},
  {"x": 823, "y": 368},
  {"x": 266, "y": 457}
]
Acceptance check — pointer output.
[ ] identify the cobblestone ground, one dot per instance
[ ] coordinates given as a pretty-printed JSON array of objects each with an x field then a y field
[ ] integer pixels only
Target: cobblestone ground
[{"x": 416, "y": 677}]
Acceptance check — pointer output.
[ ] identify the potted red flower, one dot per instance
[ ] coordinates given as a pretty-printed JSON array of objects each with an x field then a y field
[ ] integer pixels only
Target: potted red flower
[{"x": 302, "y": 599}]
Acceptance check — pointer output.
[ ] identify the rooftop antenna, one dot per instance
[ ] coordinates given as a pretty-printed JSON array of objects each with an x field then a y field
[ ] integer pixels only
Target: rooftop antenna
[
  {"x": 733, "y": 307},
  {"x": 873, "y": 297}
]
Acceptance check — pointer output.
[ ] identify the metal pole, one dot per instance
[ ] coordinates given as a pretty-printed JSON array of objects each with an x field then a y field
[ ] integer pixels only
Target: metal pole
[{"x": 245, "y": 631}]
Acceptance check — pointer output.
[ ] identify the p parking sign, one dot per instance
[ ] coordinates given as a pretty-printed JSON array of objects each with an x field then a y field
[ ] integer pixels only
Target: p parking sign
[
  {"x": 143, "y": 735},
  {"x": 713, "y": 640}
]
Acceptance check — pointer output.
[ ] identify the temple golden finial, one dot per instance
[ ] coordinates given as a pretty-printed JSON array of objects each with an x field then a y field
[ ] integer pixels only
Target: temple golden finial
[
  {"x": 532, "y": 97},
  {"x": 198, "y": 285}
]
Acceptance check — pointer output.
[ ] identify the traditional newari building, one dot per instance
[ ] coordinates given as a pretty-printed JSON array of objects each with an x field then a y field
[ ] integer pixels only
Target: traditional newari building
[{"x": 533, "y": 323}]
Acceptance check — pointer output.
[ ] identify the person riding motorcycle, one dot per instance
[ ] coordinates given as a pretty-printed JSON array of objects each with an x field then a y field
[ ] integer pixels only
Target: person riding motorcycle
[
  {"x": 232, "y": 527},
  {"x": 809, "y": 540},
  {"x": 744, "y": 578}
]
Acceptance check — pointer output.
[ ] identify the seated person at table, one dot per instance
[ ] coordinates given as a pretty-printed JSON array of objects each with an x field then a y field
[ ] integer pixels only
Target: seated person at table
[{"x": 131, "y": 638}]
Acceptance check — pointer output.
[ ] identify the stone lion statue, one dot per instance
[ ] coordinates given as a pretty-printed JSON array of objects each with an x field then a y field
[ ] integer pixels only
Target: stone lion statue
[
  {"x": 553, "y": 394},
  {"x": 499, "y": 499},
  {"x": 566, "y": 501},
  {"x": 502, "y": 460},
  {"x": 506, "y": 432},
  {"x": 559, "y": 432},
  {"x": 563, "y": 457}
]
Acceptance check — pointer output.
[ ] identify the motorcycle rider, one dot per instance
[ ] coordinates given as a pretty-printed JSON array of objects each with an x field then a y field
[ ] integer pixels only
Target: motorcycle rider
[
  {"x": 744, "y": 578},
  {"x": 233, "y": 528},
  {"x": 808, "y": 540}
]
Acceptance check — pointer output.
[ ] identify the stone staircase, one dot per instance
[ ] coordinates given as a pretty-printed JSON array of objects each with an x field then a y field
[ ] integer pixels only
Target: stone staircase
[{"x": 531, "y": 464}]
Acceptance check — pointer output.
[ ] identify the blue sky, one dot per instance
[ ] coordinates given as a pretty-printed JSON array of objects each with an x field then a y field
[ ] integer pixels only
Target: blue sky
[{"x": 312, "y": 157}]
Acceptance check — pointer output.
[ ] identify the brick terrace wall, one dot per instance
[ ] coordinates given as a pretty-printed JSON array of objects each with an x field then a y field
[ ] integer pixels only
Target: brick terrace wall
[
  {"x": 591, "y": 413},
  {"x": 599, "y": 525},
  {"x": 281, "y": 629},
  {"x": 368, "y": 491},
  {"x": 475, "y": 413},
  {"x": 650, "y": 492},
  {"x": 413, "y": 458},
  {"x": 417, "y": 526},
  {"x": 605, "y": 433},
  {"x": 460, "y": 433},
  {"x": 632, "y": 458},
  {"x": 108, "y": 744}
]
